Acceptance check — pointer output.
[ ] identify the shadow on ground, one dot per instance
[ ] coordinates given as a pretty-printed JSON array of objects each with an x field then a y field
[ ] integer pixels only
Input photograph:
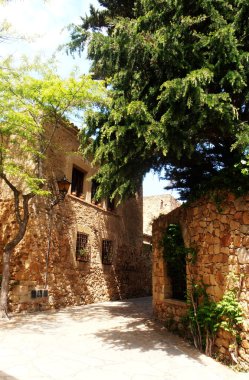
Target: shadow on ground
[
  {"x": 132, "y": 326},
  {"x": 5, "y": 376},
  {"x": 50, "y": 319},
  {"x": 141, "y": 331}
]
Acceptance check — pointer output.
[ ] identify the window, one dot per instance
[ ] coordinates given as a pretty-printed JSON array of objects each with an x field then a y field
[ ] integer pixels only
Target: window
[
  {"x": 110, "y": 204},
  {"x": 94, "y": 190},
  {"x": 107, "y": 252},
  {"x": 77, "y": 182},
  {"x": 82, "y": 248}
]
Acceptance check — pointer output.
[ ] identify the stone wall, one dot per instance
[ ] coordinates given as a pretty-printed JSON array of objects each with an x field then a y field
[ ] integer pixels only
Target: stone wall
[
  {"x": 155, "y": 205},
  {"x": 222, "y": 242},
  {"x": 48, "y": 261}
]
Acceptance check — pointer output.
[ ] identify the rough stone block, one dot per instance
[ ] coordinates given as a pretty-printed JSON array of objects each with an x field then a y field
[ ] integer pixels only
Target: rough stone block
[
  {"x": 245, "y": 344},
  {"x": 234, "y": 225},
  {"x": 243, "y": 255},
  {"x": 225, "y": 240},
  {"x": 244, "y": 229},
  {"x": 245, "y": 217}
]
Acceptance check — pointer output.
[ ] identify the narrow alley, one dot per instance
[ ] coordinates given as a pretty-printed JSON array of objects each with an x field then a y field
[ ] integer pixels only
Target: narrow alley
[{"x": 112, "y": 340}]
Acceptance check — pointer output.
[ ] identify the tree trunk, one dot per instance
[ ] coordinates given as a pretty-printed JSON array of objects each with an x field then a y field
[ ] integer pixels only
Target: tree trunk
[
  {"x": 22, "y": 218},
  {"x": 5, "y": 284}
]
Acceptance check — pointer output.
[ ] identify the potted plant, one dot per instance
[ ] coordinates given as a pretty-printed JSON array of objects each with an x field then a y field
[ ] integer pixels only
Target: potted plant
[{"x": 82, "y": 254}]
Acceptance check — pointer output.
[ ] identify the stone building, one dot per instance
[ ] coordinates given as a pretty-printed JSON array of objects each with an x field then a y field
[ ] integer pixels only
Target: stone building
[
  {"x": 220, "y": 236},
  {"x": 75, "y": 252},
  {"x": 155, "y": 205}
]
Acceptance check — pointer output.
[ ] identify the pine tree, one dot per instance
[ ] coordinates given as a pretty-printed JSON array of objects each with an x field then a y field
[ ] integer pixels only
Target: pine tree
[{"x": 178, "y": 78}]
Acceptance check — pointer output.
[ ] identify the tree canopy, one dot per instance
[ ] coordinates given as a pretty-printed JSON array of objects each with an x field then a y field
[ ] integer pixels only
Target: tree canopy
[
  {"x": 178, "y": 80},
  {"x": 32, "y": 96},
  {"x": 99, "y": 19}
]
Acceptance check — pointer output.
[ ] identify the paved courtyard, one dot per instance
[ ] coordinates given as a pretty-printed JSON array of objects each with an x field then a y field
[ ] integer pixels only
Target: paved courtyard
[{"x": 107, "y": 341}]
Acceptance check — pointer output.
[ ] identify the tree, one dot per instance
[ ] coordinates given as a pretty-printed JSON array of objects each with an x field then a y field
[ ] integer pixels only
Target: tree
[
  {"x": 33, "y": 96},
  {"x": 178, "y": 79},
  {"x": 99, "y": 19}
]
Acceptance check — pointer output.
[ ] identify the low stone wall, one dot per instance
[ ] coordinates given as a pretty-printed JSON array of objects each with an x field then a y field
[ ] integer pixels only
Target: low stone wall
[
  {"x": 171, "y": 312},
  {"x": 222, "y": 242}
]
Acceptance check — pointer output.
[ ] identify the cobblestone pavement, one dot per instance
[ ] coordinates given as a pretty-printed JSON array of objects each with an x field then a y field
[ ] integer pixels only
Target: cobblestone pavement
[{"x": 111, "y": 340}]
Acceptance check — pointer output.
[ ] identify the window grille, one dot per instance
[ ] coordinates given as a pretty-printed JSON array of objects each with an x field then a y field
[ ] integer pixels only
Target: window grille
[
  {"x": 107, "y": 252},
  {"x": 82, "y": 247}
]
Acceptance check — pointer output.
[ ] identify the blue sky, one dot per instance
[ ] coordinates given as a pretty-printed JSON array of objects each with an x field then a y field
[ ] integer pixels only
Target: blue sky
[{"x": 44, "y": 23}]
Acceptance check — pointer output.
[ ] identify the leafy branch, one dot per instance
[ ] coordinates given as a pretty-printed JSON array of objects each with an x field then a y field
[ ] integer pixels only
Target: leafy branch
[{"x": 206, "y": 317}]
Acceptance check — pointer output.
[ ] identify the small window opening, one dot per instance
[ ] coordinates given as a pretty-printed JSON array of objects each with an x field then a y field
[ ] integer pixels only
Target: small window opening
[
  {"x": 175, "y": 253},
  {"x": 77, "y": 182},
  {"x": 94, "y": 191},
  {"x": 110, "y": 204},
  {"x": 82, "y": 247},
  {"x": 107, "y": 251}
]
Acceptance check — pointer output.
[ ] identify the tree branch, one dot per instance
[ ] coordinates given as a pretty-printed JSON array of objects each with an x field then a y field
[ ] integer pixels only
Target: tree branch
[{"x": 22, "y": 221}]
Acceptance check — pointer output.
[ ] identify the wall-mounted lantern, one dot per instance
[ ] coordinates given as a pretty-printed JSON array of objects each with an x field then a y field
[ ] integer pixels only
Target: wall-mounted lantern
[{"x": 63, "y": 185}]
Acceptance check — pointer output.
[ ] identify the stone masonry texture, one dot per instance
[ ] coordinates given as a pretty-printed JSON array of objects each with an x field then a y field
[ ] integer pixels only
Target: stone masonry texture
[
  {"x": 47, "y": 254},
  {"x": 220, "y": 234}
]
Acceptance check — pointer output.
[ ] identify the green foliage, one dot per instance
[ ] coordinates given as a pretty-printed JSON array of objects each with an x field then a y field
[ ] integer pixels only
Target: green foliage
[
  {"x": 178, "y": 74},
  {"x": 83, "y": 252},
  {"x": 34, "y": 102},
  {"x": 202, "y": 318},
  {"x": 230, "y": 313},
  {"x": 174, "y": 246},
  {"x": 205, "y": 317},
  {"x": 98, "y": 19},
  {"x": 34, "y": 96}
]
